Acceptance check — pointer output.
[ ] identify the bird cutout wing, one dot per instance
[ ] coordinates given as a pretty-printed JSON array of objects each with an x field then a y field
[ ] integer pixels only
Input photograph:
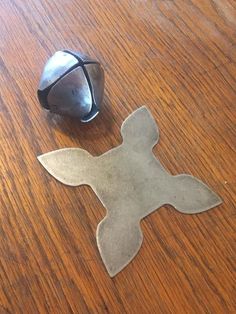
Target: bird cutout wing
[
  {"x": 140, "y": 130},
  {"x": 191, "y": 196},
  {"x": 118, "y": 241},
  {"x": 68, "y": 165},
  {"x": 131, "y": 183}
]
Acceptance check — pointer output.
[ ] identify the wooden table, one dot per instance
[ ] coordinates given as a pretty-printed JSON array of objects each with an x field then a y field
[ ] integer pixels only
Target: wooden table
[{"x": 178, "y": 58}]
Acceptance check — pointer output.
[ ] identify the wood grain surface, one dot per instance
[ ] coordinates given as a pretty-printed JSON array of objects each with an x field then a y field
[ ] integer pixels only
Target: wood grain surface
[{"x": 179, "y": 59}]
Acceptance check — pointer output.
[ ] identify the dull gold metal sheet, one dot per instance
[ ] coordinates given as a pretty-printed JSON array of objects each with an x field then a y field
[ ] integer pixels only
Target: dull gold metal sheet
[{"x": 131, "y": 183}]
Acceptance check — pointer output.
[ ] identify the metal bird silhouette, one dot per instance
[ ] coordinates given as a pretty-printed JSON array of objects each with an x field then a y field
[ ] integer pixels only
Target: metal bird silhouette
[{"x": 131, "y": 183}]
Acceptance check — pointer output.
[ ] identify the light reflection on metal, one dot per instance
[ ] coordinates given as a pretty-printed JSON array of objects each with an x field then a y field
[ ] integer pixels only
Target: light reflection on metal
[{"x": 72, "y": 84}]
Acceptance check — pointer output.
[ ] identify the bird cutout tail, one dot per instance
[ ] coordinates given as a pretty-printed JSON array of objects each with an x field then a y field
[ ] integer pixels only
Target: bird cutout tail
[
  {"x": 70, "y": 166},
  {"x": 191, "y": 196},
  {"x": 119, "y": 240}
]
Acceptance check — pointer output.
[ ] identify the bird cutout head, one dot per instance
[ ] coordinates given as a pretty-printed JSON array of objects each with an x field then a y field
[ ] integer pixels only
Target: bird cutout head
[{"x": 131, "y": 183}]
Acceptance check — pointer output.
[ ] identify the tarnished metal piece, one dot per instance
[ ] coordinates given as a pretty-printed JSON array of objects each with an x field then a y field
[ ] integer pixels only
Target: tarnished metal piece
[
  {"x": 72, "y": 84},
  {"x": 96, "y": 76},
  {"x": 71, "y": 94},
  {"x": 56, "y": 67},
  {"x": 131, "y": 183}
]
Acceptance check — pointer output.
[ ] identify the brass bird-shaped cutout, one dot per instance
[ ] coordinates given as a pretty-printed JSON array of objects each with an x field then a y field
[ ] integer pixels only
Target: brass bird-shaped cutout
[{"x": 131, "y": 183}]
